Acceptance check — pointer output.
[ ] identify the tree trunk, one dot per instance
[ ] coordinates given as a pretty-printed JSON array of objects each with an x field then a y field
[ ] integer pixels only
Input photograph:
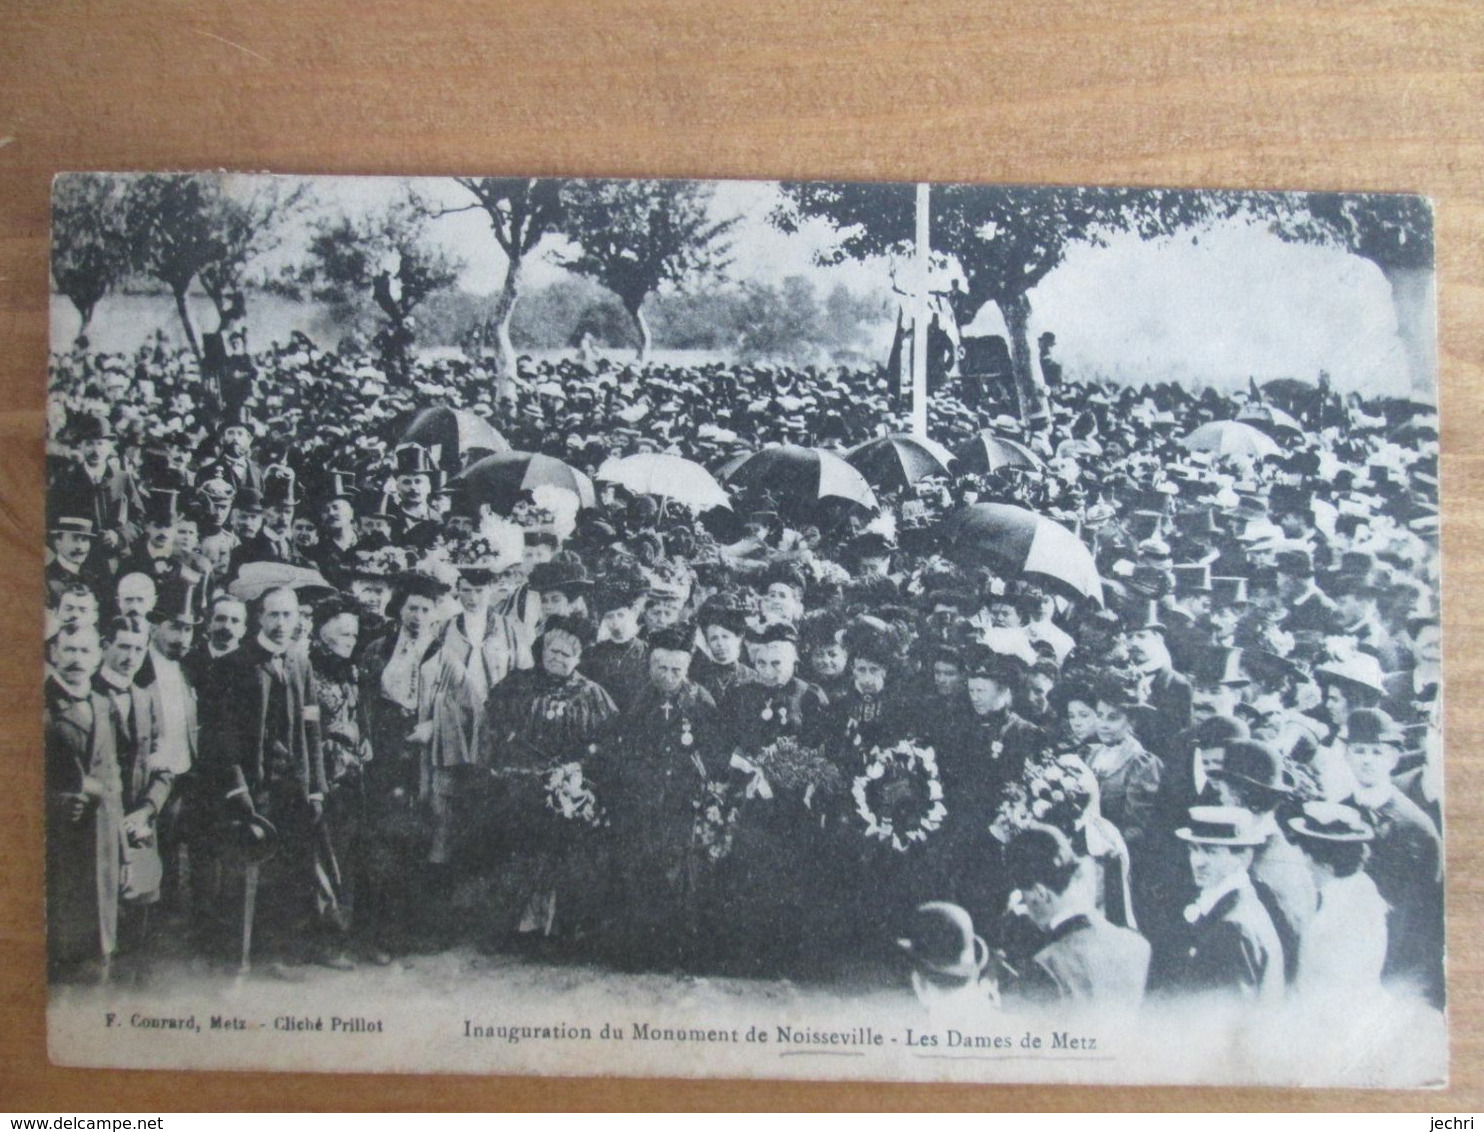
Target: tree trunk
[
  {"x": 641, "y": 324},
  {"x": 1030, "y": 388},
  {"x": 499, "y": 322},
  {"x": 1414, "y": 296},
  {"x": 84, "y": 312},
  {"x": 185, "y": 318}
]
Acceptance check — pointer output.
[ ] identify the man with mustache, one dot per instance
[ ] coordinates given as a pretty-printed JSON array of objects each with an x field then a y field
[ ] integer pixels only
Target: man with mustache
[
  {"x": 85, "y": 811},
  {"x": 265, "y": 761}
]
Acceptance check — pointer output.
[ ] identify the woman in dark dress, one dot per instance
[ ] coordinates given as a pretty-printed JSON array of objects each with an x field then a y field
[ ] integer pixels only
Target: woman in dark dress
[
  {"x": 539, "y": 720},
  {"x": 347, "y": 747}
]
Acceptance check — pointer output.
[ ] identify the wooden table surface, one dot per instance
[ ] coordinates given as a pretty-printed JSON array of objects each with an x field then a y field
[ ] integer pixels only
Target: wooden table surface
[{"x": 1320, "y": 94}]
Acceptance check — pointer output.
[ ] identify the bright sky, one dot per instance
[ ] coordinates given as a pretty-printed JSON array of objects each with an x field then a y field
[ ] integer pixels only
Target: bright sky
[{"x": 1217, "y": 306}]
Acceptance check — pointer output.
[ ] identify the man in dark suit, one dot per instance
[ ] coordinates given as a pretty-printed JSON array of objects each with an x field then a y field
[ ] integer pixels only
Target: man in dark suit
[
  {"x": 73, "y": 541},
  {"x": 1406, "y": 855},
  {"x": 85, "y": 815},
  {"x": 93, "y": 483},
  {"x": 1229, "y": 948},
  {"x": 1164, "y": 692},
  {"x": 1084, "y": 960},
  {"x": 265, "y": 761}
]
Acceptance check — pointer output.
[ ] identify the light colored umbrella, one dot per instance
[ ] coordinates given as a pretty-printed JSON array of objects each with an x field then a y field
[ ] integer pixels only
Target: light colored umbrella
[
  {"x": 501, "y": 479},
  {"x": 1231, "y": 438},
  {"x": 802, "y": 475},
  {"x": 1018, "y": 542},
  {"x": 669, "y": 477},
  {"x": 988, "y": 452},
  {"x": 899, "y": 461},
  {"x": 257, "y": 578},
  {"x": 1271, "y": 420}
]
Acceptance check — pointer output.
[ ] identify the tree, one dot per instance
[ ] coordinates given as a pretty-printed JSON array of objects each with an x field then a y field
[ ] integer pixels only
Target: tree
[
  {"x": 521, "y": 212},
  {"x": 387, "y": 256},
  {"x": 1393, "y": 232},
  {"x": 786, "y": 323},
  {"x": 173, "y": 233},
  {"x": 1006, "y": 240},
  {"x": 247, "y": 226},
  {"x": 635, "y": 237},
  {"x": 90, "y": 244}
]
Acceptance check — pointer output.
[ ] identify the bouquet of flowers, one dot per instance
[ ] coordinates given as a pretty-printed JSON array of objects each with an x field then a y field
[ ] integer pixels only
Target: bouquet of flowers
[
  {"x": 1055, "y": 793},
  {"x": 570, "y": 796},
  {"x": 790, "y": 765},
  {"x": 715, "y": 821},
  {"x": 900, "y": 796}
]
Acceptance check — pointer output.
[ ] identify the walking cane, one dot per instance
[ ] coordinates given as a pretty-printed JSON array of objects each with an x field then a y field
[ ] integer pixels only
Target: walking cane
[{"x": 249, "y": 908}]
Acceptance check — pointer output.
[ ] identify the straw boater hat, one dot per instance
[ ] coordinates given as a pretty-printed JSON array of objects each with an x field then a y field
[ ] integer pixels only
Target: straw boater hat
[
  {"x": 1221, "y": 825},
  {"x": 1330, "y": 821}
]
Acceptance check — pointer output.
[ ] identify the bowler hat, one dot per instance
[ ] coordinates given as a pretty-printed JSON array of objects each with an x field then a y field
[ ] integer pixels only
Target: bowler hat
[{"x": 1371, "y": 725}]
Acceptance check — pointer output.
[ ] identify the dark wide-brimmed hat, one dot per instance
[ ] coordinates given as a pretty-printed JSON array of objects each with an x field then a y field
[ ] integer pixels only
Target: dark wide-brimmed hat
[
  {"x": 1254, "y": 764},
  {"x": 727, "y": 609},
  {"x": 940, "y": 941},
  {"x": 255, "y": 837},
  {"x": 560, "y": 575}
]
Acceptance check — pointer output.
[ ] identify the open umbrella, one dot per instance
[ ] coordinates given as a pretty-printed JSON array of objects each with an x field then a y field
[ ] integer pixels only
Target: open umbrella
[
  {"x": 669, "y": 477},
  {"x": 802, "y": 475},
  {"x": 455, "y": 437},
  {"x": 1015, "y": 541},
  {"x": 501, "y": 479},
  {"x": 987, "y": 452},
  {"x": 1418, "y": 428},
  {"x": 1271, "y": 420},
  {"x": 1231, "y": 438},
  {"x": 899, "y": 461},
  {"x": 257, "y": 578}
]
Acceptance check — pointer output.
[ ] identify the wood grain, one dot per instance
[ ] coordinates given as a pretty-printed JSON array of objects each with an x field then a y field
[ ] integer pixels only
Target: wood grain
[{"x": 1209, "y": 93}]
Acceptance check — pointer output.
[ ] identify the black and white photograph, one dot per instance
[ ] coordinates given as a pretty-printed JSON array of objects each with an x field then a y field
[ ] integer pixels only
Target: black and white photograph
[{"x": 882, "y": 631}]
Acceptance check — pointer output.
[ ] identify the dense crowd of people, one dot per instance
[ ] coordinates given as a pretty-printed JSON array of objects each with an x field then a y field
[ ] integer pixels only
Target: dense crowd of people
[{"x": 322, "y": 687}]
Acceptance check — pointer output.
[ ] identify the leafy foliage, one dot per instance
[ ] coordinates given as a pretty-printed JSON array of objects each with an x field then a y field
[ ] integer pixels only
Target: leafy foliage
[
  {"x": 637, "y": 237},
  {"x": 385, "y": 255},
  {"x": 1005, "y": 239},
  {"x": 90, "y": 240}
]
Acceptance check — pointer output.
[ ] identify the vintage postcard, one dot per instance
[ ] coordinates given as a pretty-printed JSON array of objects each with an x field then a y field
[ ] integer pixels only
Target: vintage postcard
[{"x": 750, "y": 629}]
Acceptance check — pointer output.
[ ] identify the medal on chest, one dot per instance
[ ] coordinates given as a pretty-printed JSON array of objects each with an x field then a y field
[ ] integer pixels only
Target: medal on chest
[{"x": 686, "y": 739}]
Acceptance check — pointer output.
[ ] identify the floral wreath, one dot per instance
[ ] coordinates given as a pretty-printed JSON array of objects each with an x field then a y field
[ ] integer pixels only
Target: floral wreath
[
  {"x": 900, "y": 796},
  {"x": 715, "y": 821},
  {"x": 570, "y": 796},
  {"x": 790, "y": 765},
  {"x": 1051, "y": 793}
]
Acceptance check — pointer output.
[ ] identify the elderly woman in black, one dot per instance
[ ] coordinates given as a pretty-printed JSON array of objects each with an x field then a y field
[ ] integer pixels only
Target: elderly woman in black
[
  {"x": 345, "y": 732},
  {"x": 540, "y": 721}
]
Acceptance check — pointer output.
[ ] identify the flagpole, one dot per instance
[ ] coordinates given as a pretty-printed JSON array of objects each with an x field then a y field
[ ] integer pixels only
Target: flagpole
[{"x": 920, "y": 319}]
